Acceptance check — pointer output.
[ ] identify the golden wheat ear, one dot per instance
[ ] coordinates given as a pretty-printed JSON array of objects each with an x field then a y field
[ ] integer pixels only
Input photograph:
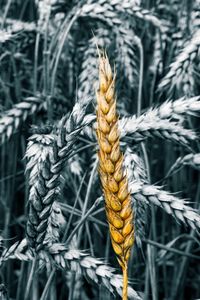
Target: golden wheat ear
[{"x": 113, "y": 178}]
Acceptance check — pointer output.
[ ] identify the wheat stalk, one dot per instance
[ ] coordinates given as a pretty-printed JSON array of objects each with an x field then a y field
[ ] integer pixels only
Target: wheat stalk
[
  {"x": 12, "y": 119},
  {"x": 191, "y": 160},
  {"x": 73, "y": 260},
  {"x": 114, "y": 183},
  {"x": 106, "y": 11},
  {"x": 169, "y": 203}
]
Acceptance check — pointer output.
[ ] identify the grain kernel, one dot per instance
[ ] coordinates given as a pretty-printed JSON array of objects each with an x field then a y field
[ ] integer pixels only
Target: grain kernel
[
  {"x": 113, "y": 135},
  {"x": 127, "y": 255},
  {"x": 117, "y": 248},
  {"x": 126, "y": 211},
  {"x": 110, "y": 92},
  {"x": 123, "y": 193},
  {"x": 103, "y": 125},
  {"x": 112, "y": 184},
  {"x": 116, "y": 235},
  {"x": 111, "y": 115},
  {"x": 127, "y": 229},
  {"x": 109, "y": 166},
  {"x": 118, "y": 175},
  {"x": 115, "y": 204},
  {"x": 103, "y": 84},
  {"x": 105, "y": 146},
  {"x": 102, "y": 103},
  {"x": 115, "y": 219},
  {"x": 115, "y": 153},
  {"x": 129, "y": 241}
]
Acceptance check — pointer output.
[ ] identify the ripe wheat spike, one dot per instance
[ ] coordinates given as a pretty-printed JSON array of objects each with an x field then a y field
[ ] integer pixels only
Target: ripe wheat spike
[
  {"x": 12, "y": 119},
  {"x": 114, "y": 182},
  {"x": 168, "y": 202}
]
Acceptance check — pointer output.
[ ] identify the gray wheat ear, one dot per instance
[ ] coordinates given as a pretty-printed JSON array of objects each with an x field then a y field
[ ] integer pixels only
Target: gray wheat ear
[
  {"x": 149, "y": 125},
  {"x": 43, "y": 192},
  {"x": 46, "y": 156},
  {"x": 89, "y": 63},
  {"x": 71, "y": 260},
  {"x": 55, "y": 225},
  {"x": 192, "y": 159},
  {"x": 136, "y": 171},
  {"x": 172, "y": 205},
  {"x": 11, "y": 119},
  {"x": 176, "y": 109},
  {"x": 179, "y": 76}
]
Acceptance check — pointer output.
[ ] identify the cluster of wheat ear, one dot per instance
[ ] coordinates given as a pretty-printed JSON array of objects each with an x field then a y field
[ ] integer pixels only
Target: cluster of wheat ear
[
  {"x": 48, "y": 60},
  {"x": 114, "y": 181}
]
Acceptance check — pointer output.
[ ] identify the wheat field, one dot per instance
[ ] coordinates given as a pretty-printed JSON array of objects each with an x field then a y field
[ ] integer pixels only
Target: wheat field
[{"x": 100, "y": 152}]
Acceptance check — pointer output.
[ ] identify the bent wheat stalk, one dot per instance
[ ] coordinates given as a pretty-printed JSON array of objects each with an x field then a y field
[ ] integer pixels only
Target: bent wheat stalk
[{"x": 114, "y": 182}]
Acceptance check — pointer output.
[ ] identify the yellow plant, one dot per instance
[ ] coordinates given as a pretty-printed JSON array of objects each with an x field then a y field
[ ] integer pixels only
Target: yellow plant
[{"x": 113, "y": 178}]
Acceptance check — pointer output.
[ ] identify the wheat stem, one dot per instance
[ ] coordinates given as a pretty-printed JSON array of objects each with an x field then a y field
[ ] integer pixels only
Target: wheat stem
[
  {"x": 125, "y": 282},
  {"x": 30, "y": 279},
  {"x": 61, "y": 45},
  {"x": 170, "y": 249},
  {"x": 139, "y": 101},
  {"x": 48, "y": 284},
  {"x": 83, "y": 219}
]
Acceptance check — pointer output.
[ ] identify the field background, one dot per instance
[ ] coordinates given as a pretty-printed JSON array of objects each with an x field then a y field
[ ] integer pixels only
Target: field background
[{"x": 49, "y": 62}]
